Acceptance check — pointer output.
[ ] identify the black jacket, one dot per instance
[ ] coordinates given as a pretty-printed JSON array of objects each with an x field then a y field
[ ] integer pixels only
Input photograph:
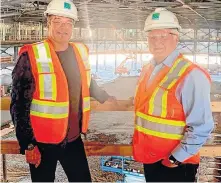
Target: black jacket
[{"x": 23, "y": 87}]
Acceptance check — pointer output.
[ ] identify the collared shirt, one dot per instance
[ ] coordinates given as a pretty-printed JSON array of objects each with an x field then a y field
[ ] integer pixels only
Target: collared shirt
[{"x": 194, "y": 95}]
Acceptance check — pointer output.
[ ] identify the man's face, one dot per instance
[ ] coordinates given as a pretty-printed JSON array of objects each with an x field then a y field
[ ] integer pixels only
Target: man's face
[
  {"x": 60, "y": 28},
  {"x": 162, "y": 42}
]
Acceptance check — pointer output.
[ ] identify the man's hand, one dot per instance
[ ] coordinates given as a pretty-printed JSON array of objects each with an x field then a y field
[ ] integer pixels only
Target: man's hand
[
  {"x": 166, "y": 162},
  {"x": 121, "y": 105},
  {"x": 112, "y": 99},
  {"x": 33, "y": 156},
  {"x": 112, "y": 104}
]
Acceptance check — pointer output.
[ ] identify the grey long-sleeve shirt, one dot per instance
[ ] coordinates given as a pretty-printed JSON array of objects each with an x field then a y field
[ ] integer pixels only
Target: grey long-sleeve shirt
[
  {"x": 23, "y": 87},
  {"x": 194, "y": 95}
]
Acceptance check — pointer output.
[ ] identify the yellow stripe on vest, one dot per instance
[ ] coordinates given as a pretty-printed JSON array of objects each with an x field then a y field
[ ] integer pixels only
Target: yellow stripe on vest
[
  {"x": 47, "y": 103},
  {"x": 82, "y": 49},
  {"x": 86, "y": 104},
  {"x": 158, "y": 101},
  {"x": 41, "y": 86},
  {"x": 47, "y": 78},
  {"x": 164, "y": 105},
  {"x": 151, "y": 102},
  {"x": 51, "y": 116}
]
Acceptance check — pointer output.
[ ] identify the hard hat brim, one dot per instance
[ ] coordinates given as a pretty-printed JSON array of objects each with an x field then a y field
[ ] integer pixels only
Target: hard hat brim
[
  {"x": 158, "y": 27},
  {"x": 55, "y": 12}
]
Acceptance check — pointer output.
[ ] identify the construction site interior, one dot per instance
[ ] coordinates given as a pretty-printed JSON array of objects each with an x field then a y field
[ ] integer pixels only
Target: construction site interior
[{"x": 113, "y": 32}]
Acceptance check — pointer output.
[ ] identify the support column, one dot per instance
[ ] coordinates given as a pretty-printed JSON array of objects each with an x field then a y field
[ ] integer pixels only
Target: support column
[
  {"x": 96, "y": 50},
  {"x": 115, "y": 49},
  {"x": 39, "y": 31},
  {"x": 19, "y": 30},
  {"x": 208, "y": 50},
  {"x": 42, "y": 30},
  {"x": 195, "y": 45},
  {"x": 105, "y": 64},
  {"x": 15, "y": 33},
  {"x": 15, "y": 53},
  {"x": 136, "y": 52},
  {"x": 3, "y": 30},
  {"x": 141, "y": 55},
  {"x": 124, "y": 40},
  {"x": 26, "y": 33},
  {"x": 217, "y": 46}
]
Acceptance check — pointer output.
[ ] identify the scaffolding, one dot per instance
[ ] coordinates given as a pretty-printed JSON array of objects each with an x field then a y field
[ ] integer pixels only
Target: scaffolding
[{"x": 193, "y": 42}]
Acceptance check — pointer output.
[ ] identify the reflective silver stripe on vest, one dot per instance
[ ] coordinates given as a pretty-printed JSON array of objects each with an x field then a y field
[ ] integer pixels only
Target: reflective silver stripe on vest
[
  {"x": 45, "y": 67},
  {"x": 157, "y": 106},
  {"x": 49, "y": 109},
  {"x": 83, "y": 51},
  {"x": 47, "y": 78},
  {"x": 159, "y": 102},
  {"x": 174, "y": 75},
  {"x": 44, "y": 61},
  {"x": 158, "y": 127},
  {"x": 42, "y": 51}
]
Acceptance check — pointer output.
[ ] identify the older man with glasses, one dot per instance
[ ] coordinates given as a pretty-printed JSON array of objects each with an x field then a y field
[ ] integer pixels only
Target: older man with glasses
[{"x": 173, "y": 118}]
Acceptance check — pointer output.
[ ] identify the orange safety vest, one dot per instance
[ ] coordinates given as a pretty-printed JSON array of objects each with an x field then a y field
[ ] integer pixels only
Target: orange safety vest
[
  {"x": 159, "y": 116},
  {"x": 50, "y": 105}
]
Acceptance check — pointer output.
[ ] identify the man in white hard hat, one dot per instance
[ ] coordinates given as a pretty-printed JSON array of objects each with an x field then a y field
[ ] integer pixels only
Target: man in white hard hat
[
  {"x": 172, "y": 106},
  {"x": 51, "y": 92}
]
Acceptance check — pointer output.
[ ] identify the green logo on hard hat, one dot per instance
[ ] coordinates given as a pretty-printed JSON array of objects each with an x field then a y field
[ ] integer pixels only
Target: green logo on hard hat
[
  {"x": 67, "y": 5},
  {"x": 155, "y": 16}
]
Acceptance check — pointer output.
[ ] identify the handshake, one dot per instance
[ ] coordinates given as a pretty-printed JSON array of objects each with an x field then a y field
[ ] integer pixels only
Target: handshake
[{"x": 112, "y": 104}]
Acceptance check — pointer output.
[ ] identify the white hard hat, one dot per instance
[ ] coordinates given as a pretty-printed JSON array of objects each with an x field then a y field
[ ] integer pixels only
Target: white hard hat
[
  {"x": 64, "y": 8},
  {"x": 161, "y": 18}
]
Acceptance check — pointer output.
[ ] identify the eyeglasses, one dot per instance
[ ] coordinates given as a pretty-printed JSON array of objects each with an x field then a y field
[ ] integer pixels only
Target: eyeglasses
[
  {"x": 163, "y": 36},
  {"x": 59, "y": 23}
]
